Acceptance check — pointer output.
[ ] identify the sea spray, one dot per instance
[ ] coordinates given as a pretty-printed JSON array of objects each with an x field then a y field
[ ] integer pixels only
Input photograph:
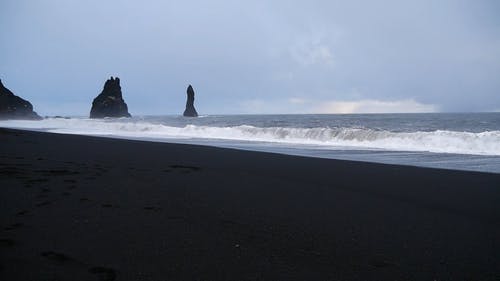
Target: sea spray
[{"x": 354, "y": 137}]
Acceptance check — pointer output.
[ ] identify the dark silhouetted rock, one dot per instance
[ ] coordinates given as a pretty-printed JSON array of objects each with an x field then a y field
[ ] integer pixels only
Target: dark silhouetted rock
[
  {"x": 190, "y": 110},
  {"x": 110, "y": 103},
  {"x": 14, "y": 107}
]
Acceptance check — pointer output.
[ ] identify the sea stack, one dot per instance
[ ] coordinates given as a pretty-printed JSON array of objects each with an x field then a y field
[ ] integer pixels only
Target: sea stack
[
  {"x": 110, "y": 103},
  {"x": 190, "y": 110},
  {"x": 14, "y": 107}
]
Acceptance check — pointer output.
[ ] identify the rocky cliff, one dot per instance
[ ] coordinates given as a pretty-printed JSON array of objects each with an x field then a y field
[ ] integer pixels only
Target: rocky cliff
[
  {"x": 14, "y": 107},
  {"x": 110, "y": 103}
]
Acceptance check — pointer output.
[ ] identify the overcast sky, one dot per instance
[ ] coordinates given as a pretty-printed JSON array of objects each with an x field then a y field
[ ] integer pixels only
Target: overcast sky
[{"x": 254, "y": 56}]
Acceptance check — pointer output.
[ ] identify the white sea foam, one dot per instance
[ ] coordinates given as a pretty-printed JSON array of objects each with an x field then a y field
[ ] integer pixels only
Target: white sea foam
[{"x": 442, "y": 141}]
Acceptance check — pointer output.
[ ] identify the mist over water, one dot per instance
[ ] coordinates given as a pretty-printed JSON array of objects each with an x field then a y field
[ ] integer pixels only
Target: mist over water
[{"x": 453, "y": 141}]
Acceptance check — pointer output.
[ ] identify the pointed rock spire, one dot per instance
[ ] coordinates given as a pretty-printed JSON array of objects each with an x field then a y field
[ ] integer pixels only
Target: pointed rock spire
[{"x": 190, "y": 111}]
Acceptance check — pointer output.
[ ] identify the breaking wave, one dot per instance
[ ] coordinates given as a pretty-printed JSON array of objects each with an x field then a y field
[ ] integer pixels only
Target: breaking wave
[{"x": 441, "y": 141}]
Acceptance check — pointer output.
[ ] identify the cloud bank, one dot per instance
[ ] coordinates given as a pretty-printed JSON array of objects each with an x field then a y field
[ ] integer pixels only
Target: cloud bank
[
  {"x": 306, "y": 106},
  {"x": 376, "y": 106},
  {"x": 255, "y": 56}
]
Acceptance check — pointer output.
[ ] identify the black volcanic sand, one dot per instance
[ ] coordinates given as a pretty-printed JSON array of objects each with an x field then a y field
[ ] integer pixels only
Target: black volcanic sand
[{"x": 86, "y": 208}]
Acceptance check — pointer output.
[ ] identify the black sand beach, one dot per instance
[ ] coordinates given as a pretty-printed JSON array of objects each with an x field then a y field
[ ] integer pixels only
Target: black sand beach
[{"x": 86, "y": 208}]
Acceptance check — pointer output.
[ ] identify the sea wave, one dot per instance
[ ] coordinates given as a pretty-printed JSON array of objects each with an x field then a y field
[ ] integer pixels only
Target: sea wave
[{"x": 441, "y": 141}]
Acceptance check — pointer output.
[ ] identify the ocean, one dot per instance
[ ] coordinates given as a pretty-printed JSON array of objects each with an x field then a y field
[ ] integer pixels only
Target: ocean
[{"x": 459, "y": 141}]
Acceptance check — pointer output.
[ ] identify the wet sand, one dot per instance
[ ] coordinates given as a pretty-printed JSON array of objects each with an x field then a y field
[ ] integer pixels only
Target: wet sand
[{"x": 87, "y": 208}]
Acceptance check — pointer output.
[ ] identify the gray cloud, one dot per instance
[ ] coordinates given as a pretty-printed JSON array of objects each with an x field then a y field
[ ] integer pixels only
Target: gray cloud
[{"x": 442, "y": 54}]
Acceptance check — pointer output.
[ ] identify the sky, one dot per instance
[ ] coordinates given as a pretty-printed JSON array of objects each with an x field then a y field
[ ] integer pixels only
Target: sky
[{"x": 254, "y": 57}]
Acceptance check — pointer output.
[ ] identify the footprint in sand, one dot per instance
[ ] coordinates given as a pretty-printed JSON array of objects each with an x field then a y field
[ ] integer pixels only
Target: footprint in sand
[
  {"x": 184, "y": 168},
  {"x": 39, "y": 180},
  {"x": 107, "y": 205},
  {"x": 6, "y": 242},
  {"x": 381, "y": 263},
  {"x": 55, "y": 256},
  {"x": 22, "y": 177},
  {"x": 152, "y": 208},
  {"x": 44, "y": 203},
  {"x": 22, "y": 213},
  {"x": 10, "y": 171},
  {"x": 13, "y": 226},
  {"x": 58, "y": 172},
  {"x": 104, "y": 273},
  {"x": 41, "y": 195}
]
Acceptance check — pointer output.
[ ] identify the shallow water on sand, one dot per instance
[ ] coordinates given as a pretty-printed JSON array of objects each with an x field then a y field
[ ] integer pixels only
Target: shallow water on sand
[{"x": 463, "y": 141}]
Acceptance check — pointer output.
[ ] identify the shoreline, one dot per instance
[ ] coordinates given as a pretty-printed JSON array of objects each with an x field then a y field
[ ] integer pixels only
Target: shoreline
[
  {"x": 83, "y": 207},
  {"x": 425, "y": 159}
]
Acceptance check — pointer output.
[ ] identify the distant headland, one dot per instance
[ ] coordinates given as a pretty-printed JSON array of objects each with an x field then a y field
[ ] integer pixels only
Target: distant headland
[{"x": 14, "y": 107}]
